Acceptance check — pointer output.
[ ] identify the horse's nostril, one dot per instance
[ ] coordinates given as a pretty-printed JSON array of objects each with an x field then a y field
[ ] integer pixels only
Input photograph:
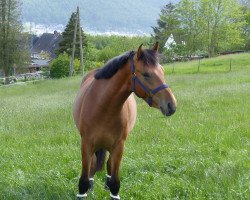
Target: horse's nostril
[{"x": 171, "y": 108}]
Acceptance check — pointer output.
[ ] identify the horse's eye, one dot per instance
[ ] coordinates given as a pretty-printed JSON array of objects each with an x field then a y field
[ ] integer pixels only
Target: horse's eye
[{"x": 146, "y": 75}]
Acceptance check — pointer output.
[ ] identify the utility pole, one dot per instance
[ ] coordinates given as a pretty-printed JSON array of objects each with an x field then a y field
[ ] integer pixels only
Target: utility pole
[
  {"x": 74, "y": 46},
  {"x": 77, "y": 25},
  {"x": 80, "y": 37}
]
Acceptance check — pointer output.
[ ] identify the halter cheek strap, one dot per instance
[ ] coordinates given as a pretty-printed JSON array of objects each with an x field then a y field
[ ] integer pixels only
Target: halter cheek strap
[{"x": 149, "y": 92}]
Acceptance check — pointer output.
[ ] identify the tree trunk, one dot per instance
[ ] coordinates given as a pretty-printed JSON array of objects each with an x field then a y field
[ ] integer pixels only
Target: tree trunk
[{"x": 14, "y": 48}]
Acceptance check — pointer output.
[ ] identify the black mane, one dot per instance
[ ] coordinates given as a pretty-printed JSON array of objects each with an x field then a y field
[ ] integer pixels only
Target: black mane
[
  {"x": 112, "y": 66},
  {"x": 149, "y": 57}
]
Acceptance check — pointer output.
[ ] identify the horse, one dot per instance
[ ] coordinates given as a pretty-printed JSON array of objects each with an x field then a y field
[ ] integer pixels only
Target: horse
[{"x": 105, "y": 111}]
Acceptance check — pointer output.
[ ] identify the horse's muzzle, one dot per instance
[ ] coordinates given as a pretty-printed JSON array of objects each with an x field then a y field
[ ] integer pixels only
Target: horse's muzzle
[{"x": 169, "y": 109}]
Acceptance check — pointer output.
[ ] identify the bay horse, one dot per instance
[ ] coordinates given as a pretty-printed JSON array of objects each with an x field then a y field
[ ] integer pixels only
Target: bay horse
[{"x": 105, "y": 111}]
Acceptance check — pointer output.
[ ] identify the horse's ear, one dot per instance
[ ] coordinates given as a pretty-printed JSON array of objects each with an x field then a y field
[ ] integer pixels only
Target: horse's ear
[
  {"x": 156, "y": 46},
  {"x": 139, "y": 51}
]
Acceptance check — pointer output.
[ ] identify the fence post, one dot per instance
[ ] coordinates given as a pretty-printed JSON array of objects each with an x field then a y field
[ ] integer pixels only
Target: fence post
[
  {"x": 173, "y": 67},
  {"x": 199, "y": 65}
]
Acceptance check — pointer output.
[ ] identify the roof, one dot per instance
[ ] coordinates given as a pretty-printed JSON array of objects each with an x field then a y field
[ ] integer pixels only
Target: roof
[
  {"x": 169, "y": 42},
  {"x": 39, "y": 63},
  {"x": 48, "y": 42}
]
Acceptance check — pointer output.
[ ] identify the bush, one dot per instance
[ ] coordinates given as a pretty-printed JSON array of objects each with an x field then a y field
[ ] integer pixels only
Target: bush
[
  {"x": 60, "y": 66},
  {"x": 106, "y": 54},
  {"x": 106, "y": 47},
  {"x": 89, "y": 65}
]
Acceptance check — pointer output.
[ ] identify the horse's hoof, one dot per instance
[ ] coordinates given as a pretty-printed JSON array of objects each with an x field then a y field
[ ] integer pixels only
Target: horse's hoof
[
  {"x": 113, "y": 197},
  {"x": 81, "y": 196}
]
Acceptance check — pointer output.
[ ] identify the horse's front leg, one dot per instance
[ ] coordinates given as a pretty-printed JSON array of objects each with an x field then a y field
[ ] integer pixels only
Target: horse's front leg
[
  {"x": 84, "y": 182},
  {"x": 108, "y": 175},
  {"x": 115, "y": 160}
]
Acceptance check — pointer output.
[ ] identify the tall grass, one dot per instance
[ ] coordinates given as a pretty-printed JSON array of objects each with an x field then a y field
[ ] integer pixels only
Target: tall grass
[{"x": 201, "y": 152}]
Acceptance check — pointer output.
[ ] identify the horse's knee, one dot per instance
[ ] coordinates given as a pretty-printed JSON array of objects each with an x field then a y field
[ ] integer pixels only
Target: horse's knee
[
  {"x": 114, "y": 186},
  {"x": 84, "y": 185}
]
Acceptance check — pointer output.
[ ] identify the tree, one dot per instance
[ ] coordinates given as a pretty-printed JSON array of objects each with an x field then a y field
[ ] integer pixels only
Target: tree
[
  {"x": 167, "y": 24},
  {"x": 189, "y": 17},
  {"x": 246, "y": 29},
  {"x": 222, "y": 23},
  {"x": 65, "y": 46},
  {"x": 13, "y": 43},
  {"x": 208, "y": 26}
]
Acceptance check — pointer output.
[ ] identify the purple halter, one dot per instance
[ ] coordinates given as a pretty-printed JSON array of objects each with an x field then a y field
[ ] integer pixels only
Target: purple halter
[{"x": 149, "y": 92}]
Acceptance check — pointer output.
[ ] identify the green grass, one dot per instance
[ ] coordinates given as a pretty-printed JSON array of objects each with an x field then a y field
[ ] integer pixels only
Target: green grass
[
  {"x": 215, "y": 65},
  {"x": 201, "y": 152}
]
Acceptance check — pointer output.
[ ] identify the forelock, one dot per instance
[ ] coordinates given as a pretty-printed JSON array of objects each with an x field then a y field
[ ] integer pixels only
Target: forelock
[{"x": 149, "y": 57}]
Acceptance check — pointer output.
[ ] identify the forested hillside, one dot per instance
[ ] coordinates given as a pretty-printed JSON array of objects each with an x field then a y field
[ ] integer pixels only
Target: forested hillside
[{"x": 112, "y": 15}]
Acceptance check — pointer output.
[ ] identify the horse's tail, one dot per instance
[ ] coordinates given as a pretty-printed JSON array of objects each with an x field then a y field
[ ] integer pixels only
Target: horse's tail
[{"x": 100, "y": 159}]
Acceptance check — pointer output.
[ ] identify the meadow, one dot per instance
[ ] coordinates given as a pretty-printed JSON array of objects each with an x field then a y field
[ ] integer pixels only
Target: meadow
[{"x": 201, "y": 152}]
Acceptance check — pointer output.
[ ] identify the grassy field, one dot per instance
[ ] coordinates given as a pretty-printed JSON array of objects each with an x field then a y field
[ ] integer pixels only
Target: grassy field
[
  {"x": 215, "y": 65},
  {"x": 202, "y": 152}
]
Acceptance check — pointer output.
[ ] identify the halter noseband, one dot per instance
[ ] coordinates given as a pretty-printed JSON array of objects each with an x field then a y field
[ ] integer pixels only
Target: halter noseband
[{"x": 148, "y": 91}]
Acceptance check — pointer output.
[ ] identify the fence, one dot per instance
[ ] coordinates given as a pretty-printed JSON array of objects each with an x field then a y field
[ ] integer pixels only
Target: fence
[
  {"x": 24, "y": 77},
  {"x": 203, "y": 65}
]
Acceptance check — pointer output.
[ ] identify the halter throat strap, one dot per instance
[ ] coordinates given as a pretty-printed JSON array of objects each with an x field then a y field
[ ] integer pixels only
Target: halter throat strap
[{"x": 150, "y": 93}]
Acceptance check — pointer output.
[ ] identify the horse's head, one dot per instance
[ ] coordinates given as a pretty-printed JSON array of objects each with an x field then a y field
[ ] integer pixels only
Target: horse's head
[{"x": 148, "y": 80}]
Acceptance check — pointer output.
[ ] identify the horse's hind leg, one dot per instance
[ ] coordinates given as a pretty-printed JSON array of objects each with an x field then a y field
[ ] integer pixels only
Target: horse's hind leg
[
  {"x": 114, "y": 183},
  {"x": 84, "y": 183}
]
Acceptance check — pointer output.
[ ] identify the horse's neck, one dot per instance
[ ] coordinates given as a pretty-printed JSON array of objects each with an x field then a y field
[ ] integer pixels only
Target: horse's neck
[{"x": 119, "y": 88}]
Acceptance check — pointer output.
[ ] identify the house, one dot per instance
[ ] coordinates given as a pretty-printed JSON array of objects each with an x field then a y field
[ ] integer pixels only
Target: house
[
  {"x": 47, "y": 42},
  {"x": 43, "y": 50},
  {"x": 38, "y": 64},
  {"x": 170, "y": 41}
]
